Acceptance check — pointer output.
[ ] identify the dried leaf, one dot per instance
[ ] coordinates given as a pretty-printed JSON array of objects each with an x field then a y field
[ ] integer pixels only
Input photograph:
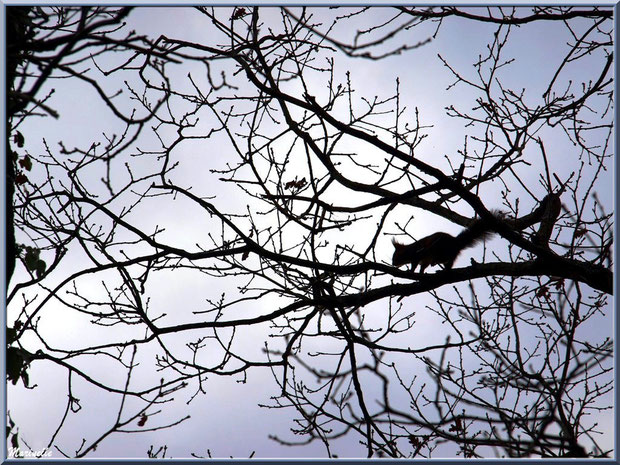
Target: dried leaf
[
  {"x": 21, "y": 179},
  {"x": 26, "y": 163},
  {"x": 18, "y": 138}
]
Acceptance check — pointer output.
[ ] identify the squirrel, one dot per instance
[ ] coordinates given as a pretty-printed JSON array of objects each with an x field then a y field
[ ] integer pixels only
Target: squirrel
[{"x": 441, "y": 248}]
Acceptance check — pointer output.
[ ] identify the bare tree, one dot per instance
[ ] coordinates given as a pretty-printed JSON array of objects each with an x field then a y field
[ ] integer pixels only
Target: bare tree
[
  {"x": 45, "y": 45},
  {"x": 497, "y": 357}
]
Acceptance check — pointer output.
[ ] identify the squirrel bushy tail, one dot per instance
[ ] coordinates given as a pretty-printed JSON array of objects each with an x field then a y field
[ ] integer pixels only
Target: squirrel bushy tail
[{"x": 478, "y": 231}]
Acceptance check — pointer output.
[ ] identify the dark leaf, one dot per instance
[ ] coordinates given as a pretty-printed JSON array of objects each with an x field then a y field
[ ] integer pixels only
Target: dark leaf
[
  {"x": 26, "y": 163},
  {"x": 32, "y": 258},
  {"x": 18, "y": 138},
  {"x": 14, "y": 364},
  {"x": 239, "y": 13},
  {"x": 21, "y": 179},
  {"x": 11, "y": 335},
  {"x": 414, "y": 441},
  {"x": 41, "y": 267},
  {"x": 542, "y": 292},
  {"x": 25, "y": 378}
]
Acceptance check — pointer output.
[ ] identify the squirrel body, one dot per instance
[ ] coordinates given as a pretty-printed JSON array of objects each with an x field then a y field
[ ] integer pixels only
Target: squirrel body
[{"x": 441, "y": 248}]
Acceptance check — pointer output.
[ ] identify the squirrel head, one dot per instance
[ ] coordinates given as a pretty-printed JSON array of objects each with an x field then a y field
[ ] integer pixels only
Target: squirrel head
[
  {"x": 396, "y": 244},
  {"x": 399, "y": 258}
]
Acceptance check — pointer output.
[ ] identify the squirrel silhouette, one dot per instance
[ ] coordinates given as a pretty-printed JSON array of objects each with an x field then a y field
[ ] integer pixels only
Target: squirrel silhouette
[{"x": 441, "y": 248}]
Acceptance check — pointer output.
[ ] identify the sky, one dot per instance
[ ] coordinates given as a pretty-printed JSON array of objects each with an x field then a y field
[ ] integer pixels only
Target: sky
[{"x": 227, "y": 420}]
